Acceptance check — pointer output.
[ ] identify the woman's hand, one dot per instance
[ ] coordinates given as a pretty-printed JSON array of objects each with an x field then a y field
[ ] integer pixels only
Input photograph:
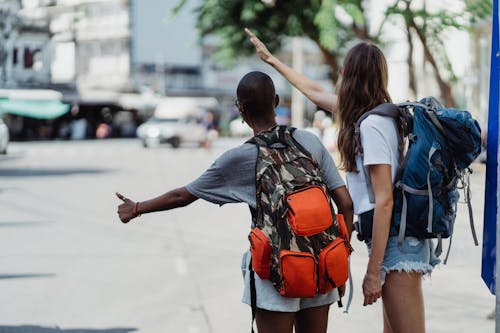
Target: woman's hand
[
  {"x": 126, "y": 210},
  {"x": 260, "y": 47},
  {"x": 372, "y": 288},
  {"x": 314, "y": 91}
]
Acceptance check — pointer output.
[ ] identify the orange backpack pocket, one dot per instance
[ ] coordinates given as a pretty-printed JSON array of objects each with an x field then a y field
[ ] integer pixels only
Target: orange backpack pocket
[
  {"x": 260, "y": 248},
  {"x": 298, "y": 274},
  {"x": 333, "y": 265},
  {"x": 309, "y": 211}
]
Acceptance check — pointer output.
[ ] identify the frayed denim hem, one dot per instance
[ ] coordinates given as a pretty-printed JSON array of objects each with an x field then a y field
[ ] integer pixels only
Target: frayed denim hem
[{"x": 408, "y": 267}]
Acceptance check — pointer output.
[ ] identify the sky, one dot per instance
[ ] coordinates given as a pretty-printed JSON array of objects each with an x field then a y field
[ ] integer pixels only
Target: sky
[{"x": 164, "y": 39}]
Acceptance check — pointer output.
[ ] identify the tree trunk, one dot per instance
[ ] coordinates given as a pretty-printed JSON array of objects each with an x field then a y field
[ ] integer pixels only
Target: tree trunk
[
  {"x": 412, "y": 82},
  {"x": 331, "y": 59},
  {"x": 362, "y": 32},
  {"x": 445, "y": 87}
]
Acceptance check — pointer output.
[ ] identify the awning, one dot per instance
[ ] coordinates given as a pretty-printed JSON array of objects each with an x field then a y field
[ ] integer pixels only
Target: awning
[
  {"x": 31, "y": 94},
  {"x": 39, "y": 109}
]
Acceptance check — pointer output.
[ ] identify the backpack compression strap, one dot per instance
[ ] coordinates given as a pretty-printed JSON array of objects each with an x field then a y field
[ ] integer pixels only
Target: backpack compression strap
[{"x": 431, "y": 112}]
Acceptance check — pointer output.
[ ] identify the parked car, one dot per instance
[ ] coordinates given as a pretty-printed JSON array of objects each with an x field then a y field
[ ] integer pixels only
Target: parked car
[
  {"x": 4, "y": 137},
  {"x": 176, "y": 120},
  {"x": 174, "y": 131}
]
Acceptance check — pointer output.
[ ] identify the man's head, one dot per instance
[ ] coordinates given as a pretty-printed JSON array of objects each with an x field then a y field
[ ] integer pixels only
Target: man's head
[{"x": 256, "y": 96}]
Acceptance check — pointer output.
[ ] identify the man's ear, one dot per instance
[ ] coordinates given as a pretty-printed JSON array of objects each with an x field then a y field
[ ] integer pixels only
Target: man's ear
[{"x": 276, "y": 100}]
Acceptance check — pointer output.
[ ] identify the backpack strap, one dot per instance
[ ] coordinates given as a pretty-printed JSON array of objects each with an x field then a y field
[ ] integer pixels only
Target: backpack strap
[
  {"x": 466, "y": 183},
  {"x": 274, "y": 135},
  {"x": 386, "y": 110},
  {"x": 281, "y": 134},
  {"x": 449, "y": 249},
  {"x": 404, "y": 211},
  {"x": 253, "y": 294},
  {"x": 351, "y": 287},
  {"x": 431, "y": 108}
]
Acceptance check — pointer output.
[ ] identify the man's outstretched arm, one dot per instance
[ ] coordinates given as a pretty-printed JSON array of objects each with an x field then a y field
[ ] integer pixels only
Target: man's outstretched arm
[{"x": 129, "y": 209}]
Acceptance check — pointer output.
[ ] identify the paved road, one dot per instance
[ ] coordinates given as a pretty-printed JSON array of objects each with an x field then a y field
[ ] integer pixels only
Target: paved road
[{"x": 68, "y": 265}]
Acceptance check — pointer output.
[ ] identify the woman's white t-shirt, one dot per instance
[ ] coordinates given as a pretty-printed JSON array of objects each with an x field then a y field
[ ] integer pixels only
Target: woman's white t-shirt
[{"x": 379, "y": 138}]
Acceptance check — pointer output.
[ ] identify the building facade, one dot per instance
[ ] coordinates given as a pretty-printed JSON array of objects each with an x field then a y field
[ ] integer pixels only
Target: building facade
[
  {"x": 25, "y": 46},
  {"x": 91, "y": 42},
  {"x": 137, "y": 45}
]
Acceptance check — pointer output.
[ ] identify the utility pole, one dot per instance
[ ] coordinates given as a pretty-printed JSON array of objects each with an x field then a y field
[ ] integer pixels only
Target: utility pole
[{"x": 490, "y": 269}]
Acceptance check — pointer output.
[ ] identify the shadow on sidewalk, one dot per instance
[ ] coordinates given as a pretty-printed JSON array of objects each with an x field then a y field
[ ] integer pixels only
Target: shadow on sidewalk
[
  {"x": 40, "y": 329},
  {"x": 34, "y": 172},
  {"x": 14, "y": 224},
  {"x": 23, "y": 276}
]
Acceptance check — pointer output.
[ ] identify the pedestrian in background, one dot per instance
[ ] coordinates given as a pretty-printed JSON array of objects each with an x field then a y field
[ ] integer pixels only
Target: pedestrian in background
[
  {"x": 232, "y": 179},
  {"x": 393, "y": 273}
]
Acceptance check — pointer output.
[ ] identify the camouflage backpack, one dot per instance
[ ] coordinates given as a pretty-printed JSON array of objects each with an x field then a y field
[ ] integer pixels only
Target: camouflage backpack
[{"x": 296, "y": 241}]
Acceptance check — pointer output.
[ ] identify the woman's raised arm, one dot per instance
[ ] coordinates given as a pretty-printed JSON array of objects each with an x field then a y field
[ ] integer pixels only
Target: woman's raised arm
[{"x": 311, "y": 89}]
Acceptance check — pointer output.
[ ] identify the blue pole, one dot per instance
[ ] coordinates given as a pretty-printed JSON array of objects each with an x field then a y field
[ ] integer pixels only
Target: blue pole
[{"x": 488, "y": 271}]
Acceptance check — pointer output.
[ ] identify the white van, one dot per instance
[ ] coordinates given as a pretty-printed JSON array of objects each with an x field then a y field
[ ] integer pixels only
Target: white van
[{"x": 176, "y": 120}]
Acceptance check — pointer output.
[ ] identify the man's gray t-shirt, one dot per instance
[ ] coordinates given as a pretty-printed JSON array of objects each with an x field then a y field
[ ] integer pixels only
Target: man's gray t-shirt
[{"x": 231, "y": 178}]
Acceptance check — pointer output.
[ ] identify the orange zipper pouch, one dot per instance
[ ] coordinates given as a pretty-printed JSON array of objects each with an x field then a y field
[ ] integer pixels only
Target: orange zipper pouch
[{"x": 309, "y": 211}]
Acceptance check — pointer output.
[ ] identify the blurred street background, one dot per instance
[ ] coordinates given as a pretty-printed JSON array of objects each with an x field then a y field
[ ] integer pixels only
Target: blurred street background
[{"x": 98, "y": 96}]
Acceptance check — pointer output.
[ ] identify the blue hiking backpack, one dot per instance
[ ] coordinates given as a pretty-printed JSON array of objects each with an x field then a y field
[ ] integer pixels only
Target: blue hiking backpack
[{"x": 443, "y": 142}]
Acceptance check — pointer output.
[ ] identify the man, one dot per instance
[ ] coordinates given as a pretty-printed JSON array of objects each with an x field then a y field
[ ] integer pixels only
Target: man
[{"x": 231, "y": 179}]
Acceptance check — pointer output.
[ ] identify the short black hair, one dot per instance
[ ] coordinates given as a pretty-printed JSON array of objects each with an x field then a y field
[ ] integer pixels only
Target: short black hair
[{"x": 256, "y": 93}]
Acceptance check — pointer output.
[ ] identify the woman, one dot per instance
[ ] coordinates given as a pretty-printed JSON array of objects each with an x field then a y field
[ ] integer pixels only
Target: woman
[
  {"x": 231, "y": 179},
  {"x": 394, "y": 274}
]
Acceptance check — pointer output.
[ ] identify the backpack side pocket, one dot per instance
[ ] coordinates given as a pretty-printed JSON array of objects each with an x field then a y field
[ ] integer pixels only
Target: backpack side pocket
[
  {"x": 333, "y": 265},
  {"x": 260, "y": 248},
  {"x": 298, "y": 274}
]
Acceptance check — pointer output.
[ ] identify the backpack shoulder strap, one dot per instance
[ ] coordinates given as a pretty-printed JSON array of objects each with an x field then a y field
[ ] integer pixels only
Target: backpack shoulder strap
[
  {"x": 386, "y": 110},
  {"x": 283, "y": 135},
  {"x": 274, "y": 135}
]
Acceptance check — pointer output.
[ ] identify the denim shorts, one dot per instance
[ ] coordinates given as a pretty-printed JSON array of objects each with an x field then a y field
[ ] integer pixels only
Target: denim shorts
[
  {"x": 268, "y": 298},
  {"x": 414, "y": 255}
]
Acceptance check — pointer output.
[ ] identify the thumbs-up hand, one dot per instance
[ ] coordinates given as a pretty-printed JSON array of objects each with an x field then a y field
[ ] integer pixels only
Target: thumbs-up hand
[{"x": 126, "y": 210}]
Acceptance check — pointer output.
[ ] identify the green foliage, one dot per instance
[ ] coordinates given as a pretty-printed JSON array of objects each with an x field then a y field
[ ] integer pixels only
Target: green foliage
[
  {"x": 326, "y": 22},
  {"x": 320, "y": 21},
  {"x": 478, "y": 10},
  {"x": 315, "y": 19}
]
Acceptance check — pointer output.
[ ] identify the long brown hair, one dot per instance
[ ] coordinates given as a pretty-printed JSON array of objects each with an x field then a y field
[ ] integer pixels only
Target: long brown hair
[{"x": 362, "y": 86}]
